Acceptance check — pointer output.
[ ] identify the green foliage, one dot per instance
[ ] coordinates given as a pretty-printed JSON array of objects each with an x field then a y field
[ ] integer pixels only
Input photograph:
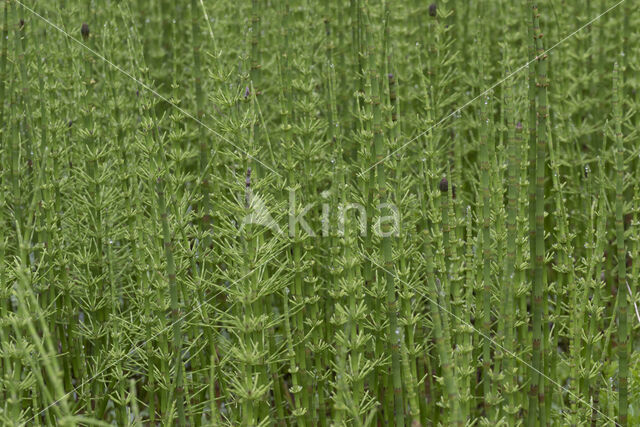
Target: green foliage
[{"x": 351, "y": 212}]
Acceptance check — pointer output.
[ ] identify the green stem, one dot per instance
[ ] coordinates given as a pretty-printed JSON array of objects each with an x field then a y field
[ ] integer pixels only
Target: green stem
[
  {"x": 623, "y": 316},
  {"x": 177, "y": 390}
]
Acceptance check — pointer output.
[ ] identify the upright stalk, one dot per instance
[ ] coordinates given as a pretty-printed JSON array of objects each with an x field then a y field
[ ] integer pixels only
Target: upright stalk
[
  {"x": 380, "y": 152},
  {"x": 177, "y": 390},
  {"x": 537, "y": 376},
  {"x": 623, "y": 316}
]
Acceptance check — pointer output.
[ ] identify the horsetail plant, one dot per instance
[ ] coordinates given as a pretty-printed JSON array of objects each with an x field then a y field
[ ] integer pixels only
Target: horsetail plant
[
  {"x": 318, "y": 213},
  {"x": 538, "y": 257},
  {"x": 623, "y": 316}
]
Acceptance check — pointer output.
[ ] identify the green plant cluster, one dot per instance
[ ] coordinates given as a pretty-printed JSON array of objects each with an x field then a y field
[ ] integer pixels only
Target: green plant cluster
[{"x": 319, "y": 213}]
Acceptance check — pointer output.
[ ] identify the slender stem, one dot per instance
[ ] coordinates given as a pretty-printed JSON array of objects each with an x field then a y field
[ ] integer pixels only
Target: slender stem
[{"x": 623, "y": 315}]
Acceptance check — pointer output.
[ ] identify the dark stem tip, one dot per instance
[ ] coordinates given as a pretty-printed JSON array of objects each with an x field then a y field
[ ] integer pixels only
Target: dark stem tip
[
  {"x": 444, "y": 185},
  {"x": 84, "y": 30},
  {"x": 433, "y": 10}
]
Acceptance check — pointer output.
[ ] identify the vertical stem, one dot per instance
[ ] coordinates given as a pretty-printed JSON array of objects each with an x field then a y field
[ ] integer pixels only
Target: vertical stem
[
  {"x": 623, "y": 326},
  {"x": 486, "y": 257},
  {"x": 176, "y": 319},
  {"x": 434, "y": 291},
  {"x": 509, "y": 282},
  {"x": 380, "y": 152},
  {"x": 537, "y": 376}
]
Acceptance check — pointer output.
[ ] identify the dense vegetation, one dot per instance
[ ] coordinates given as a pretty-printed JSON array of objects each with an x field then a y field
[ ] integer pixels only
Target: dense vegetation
[{"x": 315, "y": 212}]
